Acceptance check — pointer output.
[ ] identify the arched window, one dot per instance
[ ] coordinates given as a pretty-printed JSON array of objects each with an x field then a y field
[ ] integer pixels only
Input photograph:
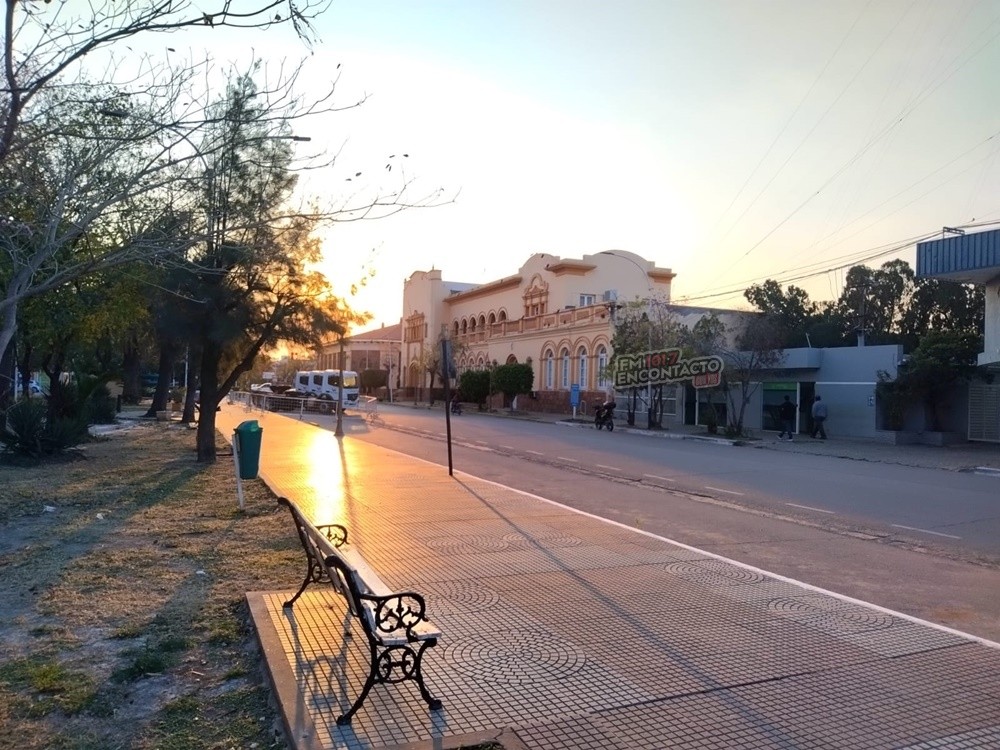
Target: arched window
[
  {"x": 564, "y": 375},
  {"x": 465, "y": 325},
  {"x": 456, "y": 327},
  {"x": 582, "y": 367},
  {"x": 603, "y": 383},
  {"x": 492, "y": 320},
  {"x": 550, "y": 370}
]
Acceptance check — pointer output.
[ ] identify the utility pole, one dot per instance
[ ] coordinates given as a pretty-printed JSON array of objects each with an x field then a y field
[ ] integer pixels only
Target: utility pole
[{"x": 863, "y": 292}]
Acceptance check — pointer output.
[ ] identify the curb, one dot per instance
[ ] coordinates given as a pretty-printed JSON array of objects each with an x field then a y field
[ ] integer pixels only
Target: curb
[{"x": 657, "y": 433}]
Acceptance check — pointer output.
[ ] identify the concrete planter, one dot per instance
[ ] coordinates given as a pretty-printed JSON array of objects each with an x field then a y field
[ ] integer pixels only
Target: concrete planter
[
  {"x": 163, "y": 416},
  {"x": 911, "y": 437}
]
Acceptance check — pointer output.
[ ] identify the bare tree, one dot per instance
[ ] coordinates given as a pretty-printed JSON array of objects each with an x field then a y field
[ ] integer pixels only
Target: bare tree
[
  {"x": 758, "y": 348},
  {"x": 43, "y": 42}
]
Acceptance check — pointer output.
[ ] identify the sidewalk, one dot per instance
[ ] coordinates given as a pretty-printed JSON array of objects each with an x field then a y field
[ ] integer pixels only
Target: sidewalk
[
  {"x": 960, "y": 457},
  {"x": 562, "y": 630}
]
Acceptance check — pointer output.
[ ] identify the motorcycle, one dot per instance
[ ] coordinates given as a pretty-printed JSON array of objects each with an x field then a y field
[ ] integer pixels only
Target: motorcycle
[
  {"x": 604, "y": 414},
  {"x": 456, "y": 407}
]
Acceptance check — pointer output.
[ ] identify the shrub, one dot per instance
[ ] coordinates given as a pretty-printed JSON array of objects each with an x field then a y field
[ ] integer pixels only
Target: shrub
[
  {"x": 101, "y": 407},
  {"x": 28, "y": 430}
]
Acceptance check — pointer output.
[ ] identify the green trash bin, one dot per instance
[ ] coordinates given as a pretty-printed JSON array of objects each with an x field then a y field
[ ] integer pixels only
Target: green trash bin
[{"x": 248, "y": 436}]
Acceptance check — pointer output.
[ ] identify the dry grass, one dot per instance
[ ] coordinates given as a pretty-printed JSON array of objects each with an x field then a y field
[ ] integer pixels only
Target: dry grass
[{"x": 124, "y": 623}]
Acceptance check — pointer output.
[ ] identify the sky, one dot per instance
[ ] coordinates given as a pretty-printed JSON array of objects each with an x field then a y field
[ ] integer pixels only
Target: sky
[{"x": 730, "y": 141}]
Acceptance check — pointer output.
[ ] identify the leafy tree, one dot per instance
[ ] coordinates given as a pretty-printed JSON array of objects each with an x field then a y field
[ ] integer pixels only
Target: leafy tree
[
  {"x": 513, "y": 379},
  {"x": 246, "y": 288},
  {"x": 937, "y": 304},
  {"x": 942, "y": 359},
  {"x": 791, "y": 309},
  {"x": 475, "y": 386},
  {"x": 372, "y": 380}
]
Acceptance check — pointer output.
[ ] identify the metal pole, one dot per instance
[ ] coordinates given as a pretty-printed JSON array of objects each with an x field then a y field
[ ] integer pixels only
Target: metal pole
[{"x": 339, "y": 432}]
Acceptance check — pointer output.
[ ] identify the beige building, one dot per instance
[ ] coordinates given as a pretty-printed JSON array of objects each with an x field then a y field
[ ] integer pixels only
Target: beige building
[{"x": 554, "y": 313}]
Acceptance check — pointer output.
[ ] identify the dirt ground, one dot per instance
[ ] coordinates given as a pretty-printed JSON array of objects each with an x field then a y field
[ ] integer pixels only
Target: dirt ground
[{"x": 123, "y": 569}]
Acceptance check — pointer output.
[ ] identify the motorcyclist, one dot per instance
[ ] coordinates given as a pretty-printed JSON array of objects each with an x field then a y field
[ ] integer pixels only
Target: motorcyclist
[{"x": 456, "y": 405}]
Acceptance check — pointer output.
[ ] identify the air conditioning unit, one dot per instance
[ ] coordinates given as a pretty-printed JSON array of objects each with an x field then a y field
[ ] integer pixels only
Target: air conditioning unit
[{"x": 610, "y": 295}]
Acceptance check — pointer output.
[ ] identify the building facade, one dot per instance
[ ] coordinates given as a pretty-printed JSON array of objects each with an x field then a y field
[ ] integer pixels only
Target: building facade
[
  {"x": 559, "y": 315},
  {"x": 973, "y": 259},
  {"x": 554, "y": 313}
]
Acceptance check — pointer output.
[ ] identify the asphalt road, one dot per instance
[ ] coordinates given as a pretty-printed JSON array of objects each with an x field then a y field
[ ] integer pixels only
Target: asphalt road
[
  {"x": 959, "y": 512},
  {"x": 830, "y": 522}
]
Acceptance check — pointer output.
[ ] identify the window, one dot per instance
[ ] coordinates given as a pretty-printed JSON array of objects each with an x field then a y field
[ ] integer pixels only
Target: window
[
  {"x": 587, "y": 299},
  {"x": 670, "y": 399},
  {"x": 603, "y": 381},
  {"x": 582, "y": 367},
  {"x": 550, "y": 370},
  {"x": 564, "y": 375}
]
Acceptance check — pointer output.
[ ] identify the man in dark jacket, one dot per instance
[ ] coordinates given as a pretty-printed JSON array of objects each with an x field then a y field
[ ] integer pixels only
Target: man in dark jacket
[
  {"x": 819, "y": 417},
  {"x": 787, "y": 416}
]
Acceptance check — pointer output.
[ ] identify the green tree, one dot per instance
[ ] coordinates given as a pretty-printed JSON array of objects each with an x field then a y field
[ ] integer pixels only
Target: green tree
[
  {"x": 513, "y": 380},
  {"x": 247, "y": 287},
  {"x": 791, "y": 310},
  {"x": 475, "y": 386},
  {"x": 929, "y": 374}
]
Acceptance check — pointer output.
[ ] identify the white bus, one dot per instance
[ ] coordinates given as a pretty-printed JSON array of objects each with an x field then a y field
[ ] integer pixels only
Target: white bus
[{"x": 325, "y": 385}]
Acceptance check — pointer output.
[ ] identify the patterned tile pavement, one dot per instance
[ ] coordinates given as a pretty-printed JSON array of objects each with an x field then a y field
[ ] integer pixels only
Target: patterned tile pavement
[{"x": 566, "y": 631}]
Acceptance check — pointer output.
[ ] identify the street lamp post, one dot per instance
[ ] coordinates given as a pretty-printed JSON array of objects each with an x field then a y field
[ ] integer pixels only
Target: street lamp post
[{"x": 339, "y": 432}]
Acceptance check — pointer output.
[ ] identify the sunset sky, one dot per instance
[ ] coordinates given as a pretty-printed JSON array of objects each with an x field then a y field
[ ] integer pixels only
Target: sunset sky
[{"x": 732, "y": 141}]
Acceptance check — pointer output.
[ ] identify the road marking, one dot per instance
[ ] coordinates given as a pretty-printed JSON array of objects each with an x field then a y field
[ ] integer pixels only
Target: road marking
[
  {"x": 605, "y": 466},
  {"x": 657, "y": 476},
  {"x": 535, "y": 453},
  {"x": 925, "y": 531},
  {"x": 809, "y": 507},
  {"x": 728, "y": 492},
  {"x": 563, "y": 458},
  {"x": 507, "y": 447}
]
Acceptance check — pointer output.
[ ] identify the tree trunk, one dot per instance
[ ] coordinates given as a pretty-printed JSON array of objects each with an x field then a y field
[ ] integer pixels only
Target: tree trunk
[
  {"x": 168, "y": 352},
  {"x": 131, "y": 373},
  {"x": 191, "y": 386},
  {"x": 209, "y": 385}
]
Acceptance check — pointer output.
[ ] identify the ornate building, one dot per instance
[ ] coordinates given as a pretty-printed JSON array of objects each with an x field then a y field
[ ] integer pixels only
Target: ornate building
[{"x": 554, "y": 313}]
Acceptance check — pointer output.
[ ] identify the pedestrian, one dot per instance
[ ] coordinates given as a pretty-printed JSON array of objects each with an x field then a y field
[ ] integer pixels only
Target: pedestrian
[
  {"x": 787, "y": 416},
  {"x": 819, "y": 417}
]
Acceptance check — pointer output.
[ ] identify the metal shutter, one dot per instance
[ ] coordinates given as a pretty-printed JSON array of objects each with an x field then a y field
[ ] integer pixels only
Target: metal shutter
[{"x": 984, "y": 412}]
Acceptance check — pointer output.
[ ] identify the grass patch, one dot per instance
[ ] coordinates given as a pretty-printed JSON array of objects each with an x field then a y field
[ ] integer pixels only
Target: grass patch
[
  {"x": 132, "y": 566},
  {"x": 46, "y": 686}
]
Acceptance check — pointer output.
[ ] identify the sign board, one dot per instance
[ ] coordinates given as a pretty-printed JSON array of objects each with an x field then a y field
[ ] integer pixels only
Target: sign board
[
  {"x": 267, "y": 376},
  {"x": 666, "y": 366},
  {"x": 574, "y": 395}
]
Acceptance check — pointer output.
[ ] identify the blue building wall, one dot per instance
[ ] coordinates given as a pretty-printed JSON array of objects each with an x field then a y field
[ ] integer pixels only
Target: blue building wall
[{"x": 952, "y": 255}]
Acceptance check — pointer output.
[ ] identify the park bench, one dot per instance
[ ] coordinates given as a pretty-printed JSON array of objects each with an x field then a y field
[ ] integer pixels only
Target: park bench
[{"x": 395, "y": 622}]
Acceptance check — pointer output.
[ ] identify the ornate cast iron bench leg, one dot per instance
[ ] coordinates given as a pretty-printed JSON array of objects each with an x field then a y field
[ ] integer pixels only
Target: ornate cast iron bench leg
[{"x": 384, "y": 668}]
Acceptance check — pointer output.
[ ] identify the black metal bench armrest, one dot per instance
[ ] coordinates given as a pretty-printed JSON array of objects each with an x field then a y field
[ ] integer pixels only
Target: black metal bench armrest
[{"x": 403, "y": 610}]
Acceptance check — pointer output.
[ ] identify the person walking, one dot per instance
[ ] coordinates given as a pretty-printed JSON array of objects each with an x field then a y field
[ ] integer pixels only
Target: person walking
[
  {"x": 787, "y": 416},
  {"x": 819, "y": 417}
]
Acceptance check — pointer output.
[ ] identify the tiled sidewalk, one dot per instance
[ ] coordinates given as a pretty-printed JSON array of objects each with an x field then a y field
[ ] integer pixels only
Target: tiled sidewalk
[{"x": 568, "y": 631}]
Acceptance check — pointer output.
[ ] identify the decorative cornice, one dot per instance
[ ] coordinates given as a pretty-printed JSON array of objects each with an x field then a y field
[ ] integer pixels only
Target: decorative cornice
[
  {"x": 573, "y": 267},
  {"x": 661, "y": 274}
]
